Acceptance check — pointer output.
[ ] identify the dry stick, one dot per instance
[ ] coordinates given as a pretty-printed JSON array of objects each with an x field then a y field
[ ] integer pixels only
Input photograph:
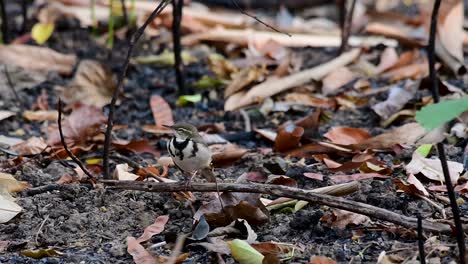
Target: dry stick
[
  {"x": 24, "y": 13},
  {"x": 257, "y": 19},
  {"x": 12, "y": 88},
  {"x": 177, "y": 6},
  {"x": 110, "y": 119},
  {"x": 4, "y": 22},
  {"x": 440, "y": 146},
  {"x": 62, "y": 139},
  {"x": 422, "y": 256},
  {"x": 346, "y": 29},
  {"x": 283, "y": 191},
  {"x": 124, "y": 12}
]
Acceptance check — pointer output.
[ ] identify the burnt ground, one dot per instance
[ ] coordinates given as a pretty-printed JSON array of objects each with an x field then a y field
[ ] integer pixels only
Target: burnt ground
[{"x": 90, "y": 225}]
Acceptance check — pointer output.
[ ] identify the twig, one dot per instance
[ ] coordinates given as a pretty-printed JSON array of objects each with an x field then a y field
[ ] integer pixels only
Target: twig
[
  {"x": 40, "y": 228},
  {"x": 24, "y": 13},
  {"x": 177, "y": 6},
  {"x": 124, "y": 12},
  {"x": 257, "y": 19},
  {"x": 440, "y": 146},
  {"x": 283, "y": 191},
  {"x": 12, "y": 88},
  {"x": 110, "y": 118},
  {"x": 422, "y": 256},
  {"x": 4, "y": 22},
  {"x": 247, "y": 123},
  {"x": 346, "y": 29},
  {"x": 62, "y": 139}
]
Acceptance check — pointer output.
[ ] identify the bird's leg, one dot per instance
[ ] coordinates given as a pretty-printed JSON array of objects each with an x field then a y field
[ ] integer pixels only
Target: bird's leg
[
  {"x": 219, "y": 196},
  {"x": 189, "y": 181}
]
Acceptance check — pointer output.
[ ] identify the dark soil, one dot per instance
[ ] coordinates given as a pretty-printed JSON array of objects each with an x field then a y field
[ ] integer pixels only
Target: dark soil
[{"x": 90, "y": 224}]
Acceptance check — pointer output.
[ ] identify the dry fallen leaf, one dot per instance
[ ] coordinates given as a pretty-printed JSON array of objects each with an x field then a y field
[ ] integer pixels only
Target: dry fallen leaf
[
  {"x": 347, "y": 135},
  {"x": 9, "y": 184},
  {"x": 397, "y": 98},
  {"x": 243, "y": 78},
  {"x": 413, "y": 186},
  {"x": 341, "y": 219},
  {"x": 156, "y": 228},
  {"x": 388, "y": 59},
  {"x": 45, "y": 59},
  {"x": 41, "y": 115},
  {"x": 122, "y": 173},
  {"x": 138, "y": 252},
  {"x": 32, "y": 146},
  {"x": 307, "y": 99},
  {"x": 93, "y": 83},
  {"x": 321, "y": 260},
  {"x": 136, "y": 146},
  {"x": 288, "y": 137},
  {"x": 83, "y": 123},
  {"x": 432, "y": 168},
  {"x": 226, "y": 154},
  {"x": 162, "y": 113},
  {"x": 4, "y": 114},
  {"x": 336, "y": 79}
]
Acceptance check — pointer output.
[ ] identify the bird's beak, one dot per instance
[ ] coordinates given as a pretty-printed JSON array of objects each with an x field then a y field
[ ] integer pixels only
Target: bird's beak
[{"x": 170, "y": 127}]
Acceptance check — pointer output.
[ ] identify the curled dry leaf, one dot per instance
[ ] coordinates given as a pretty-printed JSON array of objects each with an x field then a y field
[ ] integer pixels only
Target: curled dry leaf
[
  {"x": 162, "y": 114},
  {"x": 9, "y": 184},
  {"x": 273, "y": 86},
  {"x": 8, "y": 208},
  {"x": 32, "y": 146},
  {"x": 136, "y": 146},
  {"x": 83, "y": 123},
  {"x": 122, "y": 173},
  {"x": 432, "y": 168},
  {"x": 288, "y": 137},
  {"x": 41, "y": 115},
  {"x": 347, "y": 135},
  {"x": 336, "y": 79},
  {"x": 156, "y": 228},
  {"x": 45, "y": 59},
  {"x": 138, "y": 252},
  {"x": 341, "y": 219},
  {"x": 412, "y": 186},
  {"x": 243, "y": 78},
  {"x": 93, "y": 83}
]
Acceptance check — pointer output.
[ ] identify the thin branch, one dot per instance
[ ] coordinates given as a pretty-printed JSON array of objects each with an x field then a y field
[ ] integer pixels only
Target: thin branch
[
  {"x": 440, "y": 146},
  {"x": 62, "y": 139},
  {"x": 346, "y": 28},
  {"x": 257, "y": 19},
  {"x": 24, "y": 13},
  {"x": 4, "y": 26},
  {"x": 110, "y": 119},
  {"x": 283, "y": 191},
  {"x": 124, "y": 12},
  {"x": 12, "y": 88},
  {"x": 177, "y": 6},
  {"x": 422, "y": 255}
]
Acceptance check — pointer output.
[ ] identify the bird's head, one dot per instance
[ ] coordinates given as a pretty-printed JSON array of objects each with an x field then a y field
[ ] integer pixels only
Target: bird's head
[{"x": 184, "y": 130}]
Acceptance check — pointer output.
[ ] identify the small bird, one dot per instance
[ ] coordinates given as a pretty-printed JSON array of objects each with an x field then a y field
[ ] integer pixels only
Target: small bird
[{"x": 188, "y": 150}]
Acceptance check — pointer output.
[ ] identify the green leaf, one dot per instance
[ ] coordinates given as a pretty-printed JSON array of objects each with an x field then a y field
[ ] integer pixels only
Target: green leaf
[
  {"x": 187, "y": 99},
  {"x": 207, "y": 82},
  {"x": 166, "y": 58},
  {"x": 299, "y": 205},
  {"x": 434, "y": 115},
  {"x": 244, "y": 253},
  {"x": 424, "y": 149},
  {"x": 41, "y": 32}
]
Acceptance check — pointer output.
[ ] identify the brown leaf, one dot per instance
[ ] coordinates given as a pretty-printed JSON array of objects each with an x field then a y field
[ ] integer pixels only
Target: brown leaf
[
  {"x": 154, "y": 229},
  {"x": 136, "y": 146},
  {"x": 226, "y": 156},
  {"x": 272, "y": 247},
  {"x": 32, "y": 146},
  {"x": 450, "y": 27},
  {"x": 336, "y": 79},
  {"x": 307, "y": 99},
  {"x": 243, "y": 78},
  {"x": 356, "y": 177},
  {"x": 93, "y": 84},
  {"x": 162, "y": 112},
  {"x": 45, "y": 59},
  {"x": 41, "y": 115},
  {"x": 413, "y": 186},
  {"x": 347, "y": 135},
  {"x": 341, "y": 219},
  {"x": 432, "y": 168},
  {"x": 83, "y": 123},
  {"x": 413, "y": 71},
  {"x": 406, "y": 134},
  {"x": 321, "y": 260},
  {"x": 406, "y": 58},
  {"x": 314, "y": 176},
  {"x": 388, "y": 59},
  {"x": 9, "y": 184},
  {"x": 138, "y": 252},
  {"x": 289, "y": 137},
  {"x": 281, "y": 180}
]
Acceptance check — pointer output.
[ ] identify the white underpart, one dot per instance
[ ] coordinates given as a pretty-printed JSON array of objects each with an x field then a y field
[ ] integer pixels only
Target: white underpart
[{"x": 189, "y": 163}]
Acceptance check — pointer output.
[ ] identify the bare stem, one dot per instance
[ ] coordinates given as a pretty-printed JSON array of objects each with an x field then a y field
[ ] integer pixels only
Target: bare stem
[{"x": 177, "y": 6}]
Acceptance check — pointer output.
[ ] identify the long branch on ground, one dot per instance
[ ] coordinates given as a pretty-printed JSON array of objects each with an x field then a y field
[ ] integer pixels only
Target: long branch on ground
[{"x": 282, "y": 191}]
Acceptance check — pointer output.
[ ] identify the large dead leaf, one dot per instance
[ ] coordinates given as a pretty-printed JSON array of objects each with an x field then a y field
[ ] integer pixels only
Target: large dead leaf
[
  {"x": 273, "y": 86},
  {"x": 388, "y": 59},
  {"x": 336, "y": 79},
  {"x": 432, "y": 168},
  {"x": 412, "y": 186},
  {"x": 341, "y": 219},
  {"x": 347, "y": 135},
  {"x": 162, "y": 114},
  {"x": 138, "y": 252},
  {"x": 156, "y": 228},
  {"x": 36, "y": 58},
  {"x": 450, "y": 27},
  {"x": 288, "y": 137},
  {"x": 227, "y": 154},
  {"x": 8, "y": 209},
  {"x": 407, "y": 134},
  {"x": 32, "y": 146},
  {"x": 136, "y": 146},
  {"x": 83, "y": 123},
  {"x": 93, "y": 84},
  {"x": 9, "y": 184}
]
